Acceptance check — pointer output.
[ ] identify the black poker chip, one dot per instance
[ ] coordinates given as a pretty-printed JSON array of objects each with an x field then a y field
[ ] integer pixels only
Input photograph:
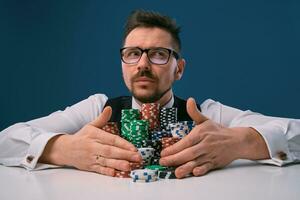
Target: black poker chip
[{"x": 167, "y": 174}]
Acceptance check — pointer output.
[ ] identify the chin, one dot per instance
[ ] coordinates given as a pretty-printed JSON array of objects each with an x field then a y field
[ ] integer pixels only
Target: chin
[{"x": 146, "y": 98}]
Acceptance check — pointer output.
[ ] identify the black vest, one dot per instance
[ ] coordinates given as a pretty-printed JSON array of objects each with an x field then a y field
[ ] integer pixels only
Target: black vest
[{"x": 125, "y": 102}]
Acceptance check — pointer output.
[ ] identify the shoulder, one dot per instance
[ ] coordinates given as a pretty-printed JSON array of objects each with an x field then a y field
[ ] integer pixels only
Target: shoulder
[
  {"x": 91, "y": 106},
  {"x": 98, "y": 100}
]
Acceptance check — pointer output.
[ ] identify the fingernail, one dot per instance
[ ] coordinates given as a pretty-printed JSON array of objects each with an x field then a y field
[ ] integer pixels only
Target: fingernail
[
  {"x": 133, "y": 149},
  {"x": 180, "y": 173},
  {"x": 196, "y": 173},
  {"x": 136, "y": 157},
  {"x": 126, "y": 166},
  {"x": 162, "y": 161}
]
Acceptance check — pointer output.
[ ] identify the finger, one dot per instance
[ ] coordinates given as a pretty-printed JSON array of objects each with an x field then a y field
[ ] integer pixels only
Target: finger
[
  {"x": 193, "y": 111},
  {"x": 102, "y": 170},
  {"x": 112, "y": 152},
  {"x": 103, "y": 118},
  {"x": 187, "y": 168},
  {"x": 122, "y": 165},
  {"x": 189, "y": 140},
  {"x": 203, "y": 169},
  {"x": 184, "y": 156},
  {"x": 113, "y": 140}
]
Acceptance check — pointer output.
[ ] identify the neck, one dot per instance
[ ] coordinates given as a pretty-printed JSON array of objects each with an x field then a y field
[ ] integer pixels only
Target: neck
[{"x": 163, "y": 100}]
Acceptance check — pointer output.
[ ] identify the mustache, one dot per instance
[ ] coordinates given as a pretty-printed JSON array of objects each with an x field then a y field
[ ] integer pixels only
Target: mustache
[{"x": 144, "y": 73}]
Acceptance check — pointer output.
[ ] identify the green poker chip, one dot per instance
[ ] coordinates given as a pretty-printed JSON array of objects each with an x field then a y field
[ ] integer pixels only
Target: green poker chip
[{"x": 156, "y": 167}]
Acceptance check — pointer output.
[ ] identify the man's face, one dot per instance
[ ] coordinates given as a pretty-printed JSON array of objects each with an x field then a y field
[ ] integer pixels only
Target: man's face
[{"x": 146, "y": 81}]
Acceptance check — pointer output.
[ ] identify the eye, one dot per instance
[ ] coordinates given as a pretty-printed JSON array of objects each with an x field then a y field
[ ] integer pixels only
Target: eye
[
  {"x": 132, "y": 53},
  {"x": 159, "y": 53}
]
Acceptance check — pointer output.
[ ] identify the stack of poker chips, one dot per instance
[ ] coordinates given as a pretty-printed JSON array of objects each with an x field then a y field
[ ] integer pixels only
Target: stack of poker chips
[
  {"x": 181, "y": 129},
  {"x": 150, "y": 112},
  {"x": 138, "y": 133},
  {"x": 143, "y": 175},
  {"x": 111, "y": 127},
  {"x": 150, "y": 130},
  {"x": 152, "y": 173},
  {"x": 168, "y": 141},
  {"x": 147, "y": 154},
  {"x": 126, "y": 174},
  {"x": 127, "y": 116},
  {"x": 163, "y": 172},
  {"x": 166, "y": 117}
]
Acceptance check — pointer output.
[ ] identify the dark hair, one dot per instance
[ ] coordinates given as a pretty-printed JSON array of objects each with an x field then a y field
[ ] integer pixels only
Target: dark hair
[{"x": 142, "y": 18}]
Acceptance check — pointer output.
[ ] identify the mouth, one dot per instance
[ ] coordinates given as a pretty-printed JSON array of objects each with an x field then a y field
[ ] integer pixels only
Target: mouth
[{"x": 144, "y": 80}]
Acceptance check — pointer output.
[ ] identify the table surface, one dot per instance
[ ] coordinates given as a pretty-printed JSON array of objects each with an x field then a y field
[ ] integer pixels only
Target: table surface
[{"x": 242, "y": 179}]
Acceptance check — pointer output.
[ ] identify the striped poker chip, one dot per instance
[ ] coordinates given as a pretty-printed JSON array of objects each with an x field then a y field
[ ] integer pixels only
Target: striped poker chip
[
  {"x": 167, "y": 174},
  {"x": 150, "y": 112},
  {"x": 156, "y": 167},
  {"x": 167, "y": 116},
  {"x": 147, "y": 154},
  {"x": 157, "y": 135},
  {"x": 122, "y": 174},
  {"x": 146, "y": 180},
  {"x": 128, "y": 115},
  {"x": 181, "y": 128},
  {"x": 135, "y": 131},
  {"x": 135, "y": 165},
  {"x": 147, "y": 151},
  {"x": 111, "y": 127},
  {"x": 126, "y": 174},
  {"x": 155, "y": 160},
  {"x": 143, "y": 175},
  {"x": 168, "y": 141}
]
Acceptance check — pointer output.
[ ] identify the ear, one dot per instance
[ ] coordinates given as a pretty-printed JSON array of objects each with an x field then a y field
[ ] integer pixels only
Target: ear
[{"x": 179, "y": 69}]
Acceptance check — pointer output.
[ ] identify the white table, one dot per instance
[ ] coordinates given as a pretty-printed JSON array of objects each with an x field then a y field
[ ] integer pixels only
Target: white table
[{"x": 240, "y": 180}]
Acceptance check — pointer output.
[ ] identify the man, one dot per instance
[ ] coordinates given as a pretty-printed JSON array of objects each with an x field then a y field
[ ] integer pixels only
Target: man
[{"x": 151, "y": 63}]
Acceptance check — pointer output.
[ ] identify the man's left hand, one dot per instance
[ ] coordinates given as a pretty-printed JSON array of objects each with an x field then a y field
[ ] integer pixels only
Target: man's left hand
[{"x": 210, "y": 146}]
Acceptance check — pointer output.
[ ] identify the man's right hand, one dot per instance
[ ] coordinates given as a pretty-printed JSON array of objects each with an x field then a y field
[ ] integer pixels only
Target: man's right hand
[{"x": 92, "y": 149}]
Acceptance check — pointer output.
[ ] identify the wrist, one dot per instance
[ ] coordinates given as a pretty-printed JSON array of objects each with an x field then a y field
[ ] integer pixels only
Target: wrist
[
  {"x": 55, "y": 150},
  {"x": 251, "y": 144}
]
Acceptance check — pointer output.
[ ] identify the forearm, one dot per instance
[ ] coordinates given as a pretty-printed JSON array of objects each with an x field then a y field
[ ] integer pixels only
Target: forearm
[{"x": 280, "y": 135}]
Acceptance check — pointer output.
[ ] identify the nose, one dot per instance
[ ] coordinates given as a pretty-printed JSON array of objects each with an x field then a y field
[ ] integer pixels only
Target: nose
[{"x": 144, "y": 62}]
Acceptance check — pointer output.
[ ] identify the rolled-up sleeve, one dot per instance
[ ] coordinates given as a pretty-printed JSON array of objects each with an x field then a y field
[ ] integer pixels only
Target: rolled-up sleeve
[
  {"x": 281, "y": 135},
  {"x": 22, "y": 144}
]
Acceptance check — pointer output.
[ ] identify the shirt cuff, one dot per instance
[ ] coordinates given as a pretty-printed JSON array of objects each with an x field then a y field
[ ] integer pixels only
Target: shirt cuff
[
  {"x": 277, "y": 144},
  {"x": 35, "y": 150}
]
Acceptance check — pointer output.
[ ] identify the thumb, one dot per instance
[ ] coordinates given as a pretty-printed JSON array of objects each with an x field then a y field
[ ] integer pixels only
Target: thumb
[
  {"x": 193, "y": 111},
  {"x": 103, "y": 118}
]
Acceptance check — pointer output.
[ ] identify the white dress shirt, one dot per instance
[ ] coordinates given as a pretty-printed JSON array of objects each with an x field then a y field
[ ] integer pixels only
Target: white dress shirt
[{"x": 23, "y": 143}]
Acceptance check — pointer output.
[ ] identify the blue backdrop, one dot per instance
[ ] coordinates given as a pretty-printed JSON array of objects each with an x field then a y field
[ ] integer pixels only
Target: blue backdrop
[{"x": 55, "y": 53}]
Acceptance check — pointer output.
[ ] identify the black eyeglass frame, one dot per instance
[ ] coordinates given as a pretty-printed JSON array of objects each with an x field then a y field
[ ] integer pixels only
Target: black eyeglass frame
[{"x": 171, "y": 52}]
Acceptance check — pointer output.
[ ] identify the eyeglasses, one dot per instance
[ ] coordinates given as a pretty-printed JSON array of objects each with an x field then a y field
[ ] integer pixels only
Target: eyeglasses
[{"x": 158, "y": 56}]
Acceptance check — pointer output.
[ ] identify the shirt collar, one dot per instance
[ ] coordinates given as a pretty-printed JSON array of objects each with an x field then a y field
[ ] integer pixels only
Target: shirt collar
[{"x": 135, "y": 105}]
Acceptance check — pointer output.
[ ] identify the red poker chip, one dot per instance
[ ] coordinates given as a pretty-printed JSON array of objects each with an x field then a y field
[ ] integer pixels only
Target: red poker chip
[
  {"x": 150, "y": 112},
  {"x": 168, "y": 141},
  {"x": 122, "y": 174},
  {"x": 111, "y": 127},
  {"x": 126, "y": 174}
]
